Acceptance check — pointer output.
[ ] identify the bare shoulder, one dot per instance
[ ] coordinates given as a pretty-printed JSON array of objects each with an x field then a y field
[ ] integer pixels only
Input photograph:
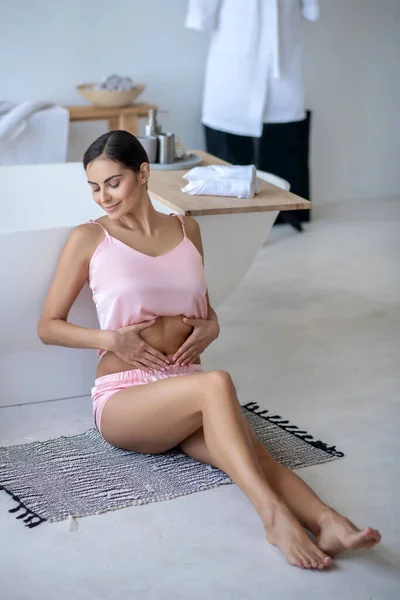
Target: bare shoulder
[
  {"x": 193, "y": 233},
  {"x": 87, "y": 232},
  {"x": 191, "y": 225},
  {"x": 84, "y": 239}
]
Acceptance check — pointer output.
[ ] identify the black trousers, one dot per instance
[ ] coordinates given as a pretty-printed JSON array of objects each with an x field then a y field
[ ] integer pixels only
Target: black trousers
[{"x": 283, "y": 150}]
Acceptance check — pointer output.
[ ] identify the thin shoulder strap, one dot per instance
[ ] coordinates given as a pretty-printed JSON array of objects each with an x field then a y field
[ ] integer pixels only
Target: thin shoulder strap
[
  {"x": 108, "y": 237},
  {"x": 182, "y": 222}
]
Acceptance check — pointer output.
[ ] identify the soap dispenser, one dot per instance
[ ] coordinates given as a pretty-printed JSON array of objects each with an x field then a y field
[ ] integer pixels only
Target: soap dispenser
[{"x": 153, "y": 127}]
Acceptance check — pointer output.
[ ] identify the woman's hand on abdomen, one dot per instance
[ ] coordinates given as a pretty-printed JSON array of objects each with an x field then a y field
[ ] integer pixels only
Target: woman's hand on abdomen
[
  {"x": 167, "y": 334},
  {"x": 133, "y": 349}
]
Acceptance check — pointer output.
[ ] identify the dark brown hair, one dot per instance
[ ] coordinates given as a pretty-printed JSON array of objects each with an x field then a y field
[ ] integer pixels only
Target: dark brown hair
[{"x": 120, "y": 146}]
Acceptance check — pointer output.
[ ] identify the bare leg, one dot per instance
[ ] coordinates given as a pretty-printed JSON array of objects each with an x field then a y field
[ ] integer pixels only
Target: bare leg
[
  {"x": 297, "y": 495},
  {"x": 334, "y": 532},
  {"x": 157, "y": 416}
]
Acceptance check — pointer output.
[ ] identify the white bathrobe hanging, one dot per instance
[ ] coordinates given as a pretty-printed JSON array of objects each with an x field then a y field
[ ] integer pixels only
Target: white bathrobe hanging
[{"x": 253, "y": 73}]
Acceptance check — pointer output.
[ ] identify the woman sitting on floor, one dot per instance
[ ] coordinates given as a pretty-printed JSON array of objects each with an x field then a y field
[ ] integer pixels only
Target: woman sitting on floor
[{"x": 146, "y": 273}]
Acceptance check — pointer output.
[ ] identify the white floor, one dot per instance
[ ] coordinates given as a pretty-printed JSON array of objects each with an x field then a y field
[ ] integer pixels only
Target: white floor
[{"x": 312, "y": 333}]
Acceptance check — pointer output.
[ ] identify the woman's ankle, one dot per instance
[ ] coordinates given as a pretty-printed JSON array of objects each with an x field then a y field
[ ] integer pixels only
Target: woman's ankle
[
  {"x": 326, "y": 515},
  {"x": 270, "y": 510}
]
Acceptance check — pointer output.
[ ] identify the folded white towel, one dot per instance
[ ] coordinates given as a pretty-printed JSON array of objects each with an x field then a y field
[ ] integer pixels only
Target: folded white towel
[
  {"x": 239, "y": 188},
  {"x": 221, "y": 171},
  {"x": 222, "y": 180}
]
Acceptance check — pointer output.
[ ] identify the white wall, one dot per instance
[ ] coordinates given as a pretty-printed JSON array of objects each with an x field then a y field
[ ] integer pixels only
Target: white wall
[
  {"x": 352, "y": 79},
  {"x": 48, "y": 47},
  {"x": 351, "y": 74}
]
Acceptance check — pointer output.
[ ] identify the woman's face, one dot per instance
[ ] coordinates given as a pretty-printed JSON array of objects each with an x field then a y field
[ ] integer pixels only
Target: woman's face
[{"x": 116, "y": 189}]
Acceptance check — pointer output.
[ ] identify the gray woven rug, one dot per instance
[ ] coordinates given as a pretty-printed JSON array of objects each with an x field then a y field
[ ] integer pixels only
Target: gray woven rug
[{"x": 83, "y": 475}]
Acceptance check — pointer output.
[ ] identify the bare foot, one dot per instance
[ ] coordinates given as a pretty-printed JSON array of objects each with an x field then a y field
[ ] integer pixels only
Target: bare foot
[
  {"x": 283, "y": 530},
  {"x": 339, "y": 534}
]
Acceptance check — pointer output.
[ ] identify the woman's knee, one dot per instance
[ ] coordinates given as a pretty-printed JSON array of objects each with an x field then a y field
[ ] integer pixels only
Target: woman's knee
[
  {"x": 219, "y": 385},
  {"x": 220, "y": 378}
]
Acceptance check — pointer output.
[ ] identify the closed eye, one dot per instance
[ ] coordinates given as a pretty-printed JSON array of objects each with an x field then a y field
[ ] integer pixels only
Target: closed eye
[{"x": 113, "y": 186}]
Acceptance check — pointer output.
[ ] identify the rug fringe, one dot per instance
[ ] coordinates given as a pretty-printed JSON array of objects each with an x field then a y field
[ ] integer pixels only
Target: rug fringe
[
  {"x": 28, "y": 516},
  {"x": 300, "y": 433}
]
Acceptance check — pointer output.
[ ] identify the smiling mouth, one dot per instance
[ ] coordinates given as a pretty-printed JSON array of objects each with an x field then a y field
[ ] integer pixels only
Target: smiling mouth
[{"x": 112, "y": 207}]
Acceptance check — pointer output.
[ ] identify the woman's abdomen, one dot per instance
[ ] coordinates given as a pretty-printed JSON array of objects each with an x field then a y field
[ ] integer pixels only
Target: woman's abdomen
[{"x": 166, "y": 335}]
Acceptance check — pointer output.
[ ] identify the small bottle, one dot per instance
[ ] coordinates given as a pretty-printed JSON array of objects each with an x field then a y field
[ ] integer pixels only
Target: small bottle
[{"x": 153, "y": 127}]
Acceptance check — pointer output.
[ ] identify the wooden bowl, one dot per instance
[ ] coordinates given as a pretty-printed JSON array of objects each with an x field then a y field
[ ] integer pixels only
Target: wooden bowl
[{"x": 109, "y": 98}]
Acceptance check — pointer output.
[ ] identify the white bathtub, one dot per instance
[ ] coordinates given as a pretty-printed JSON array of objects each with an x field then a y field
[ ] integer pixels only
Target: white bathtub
[{"x": 41, "y": 204}]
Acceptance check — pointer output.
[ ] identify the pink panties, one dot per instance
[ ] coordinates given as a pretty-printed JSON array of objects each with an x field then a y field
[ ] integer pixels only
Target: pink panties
[{"x": 108, "y": 385}]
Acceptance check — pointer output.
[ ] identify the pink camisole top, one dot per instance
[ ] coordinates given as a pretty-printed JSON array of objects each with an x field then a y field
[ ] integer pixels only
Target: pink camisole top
[{"x": 130, "y": 287}]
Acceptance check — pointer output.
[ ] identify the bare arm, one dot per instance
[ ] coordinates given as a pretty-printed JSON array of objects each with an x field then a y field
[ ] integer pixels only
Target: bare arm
[
  {"x": 69, "y": 279},
  {"x": 194, "y": 234}
]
